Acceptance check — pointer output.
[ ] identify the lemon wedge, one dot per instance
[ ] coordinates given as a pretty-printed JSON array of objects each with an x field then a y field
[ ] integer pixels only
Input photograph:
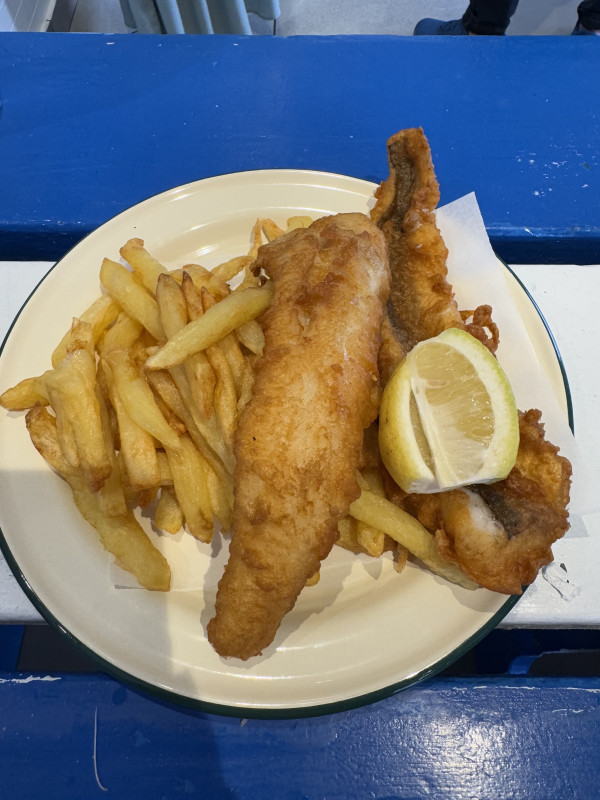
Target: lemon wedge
[{"x": 448, "y": 416}]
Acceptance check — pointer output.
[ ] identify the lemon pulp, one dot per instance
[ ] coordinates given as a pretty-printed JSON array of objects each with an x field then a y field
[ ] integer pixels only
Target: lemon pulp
[{"x": 448, "y": 416}]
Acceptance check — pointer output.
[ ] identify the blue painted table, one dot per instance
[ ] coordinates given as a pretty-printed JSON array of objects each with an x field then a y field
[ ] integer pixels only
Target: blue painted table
[
  {"x": 508, "y": 739},
  {"x": 90, "y": 125}
]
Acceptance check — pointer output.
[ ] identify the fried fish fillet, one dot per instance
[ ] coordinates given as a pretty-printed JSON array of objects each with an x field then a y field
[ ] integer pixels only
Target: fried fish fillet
[
  {"x": 421, "y": 303},
  {"x": 499, "y": 534},
  {"x": 299, "y": 440}
]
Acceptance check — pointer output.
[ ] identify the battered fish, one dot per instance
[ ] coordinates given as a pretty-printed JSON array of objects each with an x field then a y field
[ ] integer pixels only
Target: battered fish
[
  {"x": 499, "y": 534},
  {"x": 502, "y": 533},
  {"x": 299, "y": 440},
  {"x": 421, "y": 303}
]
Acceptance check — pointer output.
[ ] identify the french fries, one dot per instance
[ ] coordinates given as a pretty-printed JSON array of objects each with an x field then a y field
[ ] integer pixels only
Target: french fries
[
  {"x": 140, "y": 408},
  {"x": 122, "y": 286},
  {"x": 251, "y": 335},
  {"x": 174, "y": 317},
  {"x": 125, "y": 435},
  {"x": 100, "y": 315},
  {"x": 191, "y": 488},
  {"x": 137, "y": 446},
  {"x": 137, "y": 397},
  {"x": 228, "y": 270},
  {"x": 383, "y": 515},
  {"x": 121, "y": 535},
  {"x": 143, "y": 264},
  {"x": 112, "y": 494},
  {"x": 25, "y": 394},
  {"x": 168, "y": 515},
  {"x": 368, "y": 537},
  {"x": 71, "y": 389},
  {"x": 223, "y": 318},
  {"x": 204, "y": 278}
]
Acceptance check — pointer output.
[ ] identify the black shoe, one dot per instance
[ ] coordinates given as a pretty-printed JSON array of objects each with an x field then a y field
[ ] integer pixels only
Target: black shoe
[
  {"x": 437, "y": 27},
  {"x": 579, "y": 30}
]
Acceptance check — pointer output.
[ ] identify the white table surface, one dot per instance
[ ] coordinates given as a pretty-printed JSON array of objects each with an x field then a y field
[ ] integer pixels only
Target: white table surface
[{"x": 566, "y": 296}]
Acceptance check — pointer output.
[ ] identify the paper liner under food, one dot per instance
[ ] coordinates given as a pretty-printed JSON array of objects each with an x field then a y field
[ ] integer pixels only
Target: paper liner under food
[{"x": 479, "y": 277}]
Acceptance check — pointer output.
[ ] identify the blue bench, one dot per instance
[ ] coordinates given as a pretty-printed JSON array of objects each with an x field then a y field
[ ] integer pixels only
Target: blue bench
[
  {"x": 92, "y": 124},
  {"x": 88, "y": 736}
]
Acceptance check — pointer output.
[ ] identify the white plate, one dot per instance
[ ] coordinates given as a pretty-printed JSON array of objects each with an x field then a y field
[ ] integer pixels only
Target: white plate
[{"x": 361, "y": 633}]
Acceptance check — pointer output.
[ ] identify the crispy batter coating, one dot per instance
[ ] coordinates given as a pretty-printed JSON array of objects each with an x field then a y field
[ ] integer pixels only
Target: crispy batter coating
[
  {"x": 500, "y": 534},
  {"x": 299, "y": 440},
  {"x": 421, "y": 303}
]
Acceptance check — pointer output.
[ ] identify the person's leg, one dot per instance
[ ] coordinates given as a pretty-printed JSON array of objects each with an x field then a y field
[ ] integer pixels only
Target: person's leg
[
  {"x": 489, "y": 17},
  {"x": 588, "y": 13},
  {"x": 482, "y": 17}
]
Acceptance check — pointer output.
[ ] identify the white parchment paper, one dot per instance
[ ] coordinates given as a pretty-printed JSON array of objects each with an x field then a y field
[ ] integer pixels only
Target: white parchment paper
[{"x": 478, "y": 277}]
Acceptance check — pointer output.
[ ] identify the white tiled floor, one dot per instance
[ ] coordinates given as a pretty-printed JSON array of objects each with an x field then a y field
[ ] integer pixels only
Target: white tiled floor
[{"x": 545, "y": 17}]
